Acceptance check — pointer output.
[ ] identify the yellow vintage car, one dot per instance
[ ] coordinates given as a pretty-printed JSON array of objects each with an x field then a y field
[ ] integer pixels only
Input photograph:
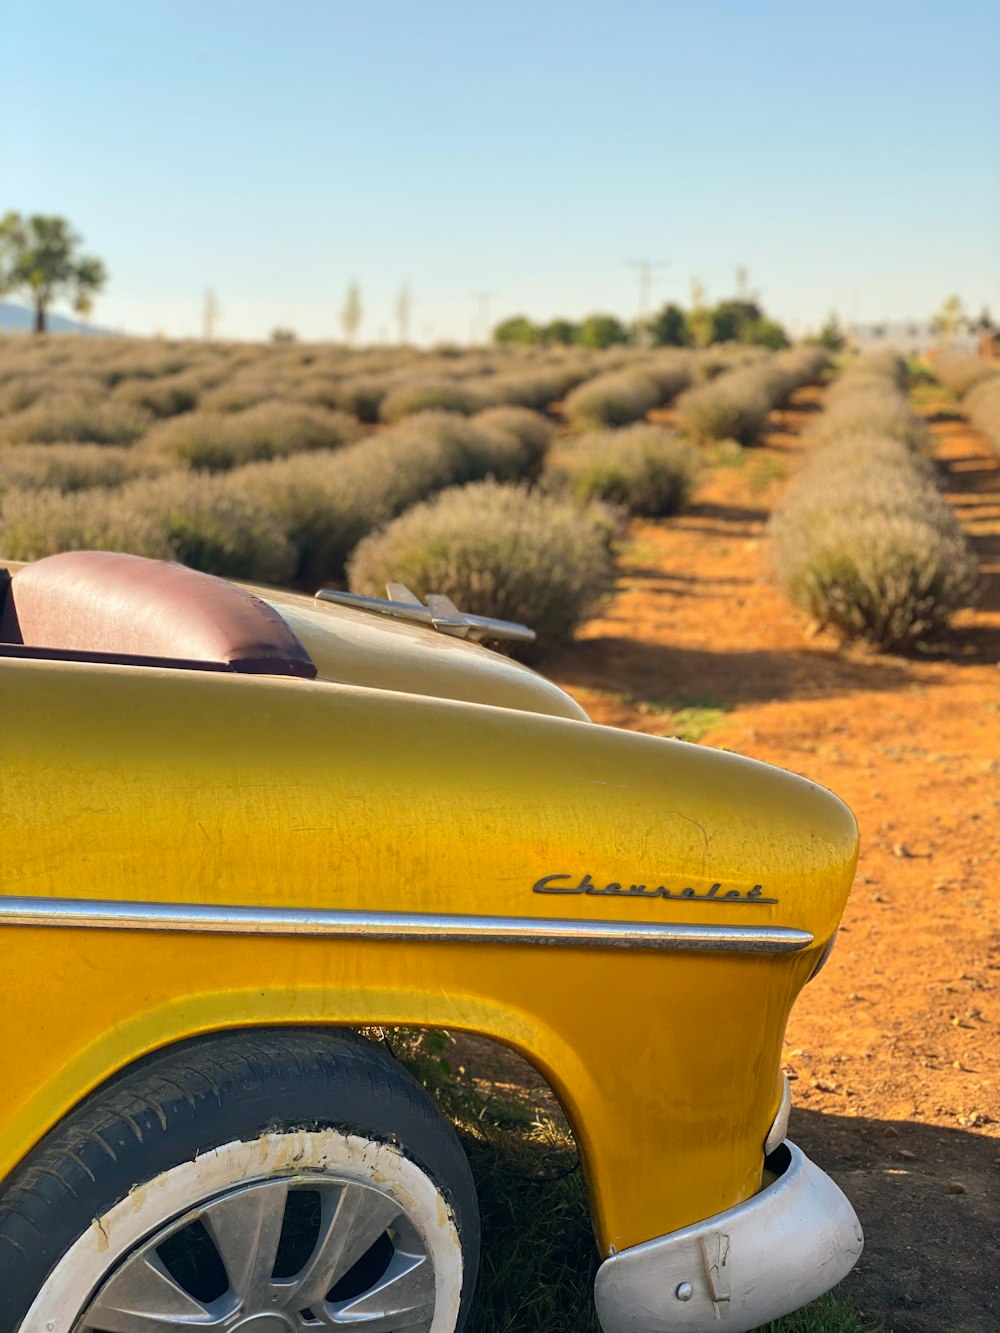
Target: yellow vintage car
[{"x": 238, "y": 828}]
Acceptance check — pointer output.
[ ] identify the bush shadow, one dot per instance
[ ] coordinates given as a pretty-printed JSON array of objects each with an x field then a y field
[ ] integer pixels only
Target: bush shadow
[
  {"x": 972, "y": 482},
  {"x": 725, "y": 513}
]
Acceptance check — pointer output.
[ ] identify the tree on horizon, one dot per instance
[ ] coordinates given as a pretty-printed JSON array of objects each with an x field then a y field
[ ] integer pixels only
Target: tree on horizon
[
  {"x": 404, "y": 309},
  {"x": 352, "y": 313},
  {"x": 40, "y": 256}
]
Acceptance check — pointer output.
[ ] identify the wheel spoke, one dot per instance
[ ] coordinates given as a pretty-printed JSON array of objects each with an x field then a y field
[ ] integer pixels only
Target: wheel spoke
[
  {"x": 142, "y": 1297},
  {"x": 352, "y": 1220},
  {"x": 402, "y": 1299},
  {"x": 246, "y": 1229}
]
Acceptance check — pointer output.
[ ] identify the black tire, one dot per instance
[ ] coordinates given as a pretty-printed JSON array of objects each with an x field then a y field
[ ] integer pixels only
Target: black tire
[{"x": 202, "y": 1094}]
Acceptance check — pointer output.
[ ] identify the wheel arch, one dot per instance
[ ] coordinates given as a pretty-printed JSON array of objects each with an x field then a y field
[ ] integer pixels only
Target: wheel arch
[{"x": 153, "y": 1033}]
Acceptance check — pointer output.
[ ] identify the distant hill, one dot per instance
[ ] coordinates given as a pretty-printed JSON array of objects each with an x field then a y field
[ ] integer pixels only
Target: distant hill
[{"x": 18, "y": 319}]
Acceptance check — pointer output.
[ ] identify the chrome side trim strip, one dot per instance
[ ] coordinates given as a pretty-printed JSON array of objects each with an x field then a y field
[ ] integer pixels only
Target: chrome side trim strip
[{"x": 103, "y": 914}]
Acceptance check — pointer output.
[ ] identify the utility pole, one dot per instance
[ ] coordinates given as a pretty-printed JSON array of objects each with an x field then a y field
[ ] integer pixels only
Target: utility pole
[
  {"x": 404, "y": 309},
  {"x": 481, "y": 318},
  {"x": 645, "y": 267}
]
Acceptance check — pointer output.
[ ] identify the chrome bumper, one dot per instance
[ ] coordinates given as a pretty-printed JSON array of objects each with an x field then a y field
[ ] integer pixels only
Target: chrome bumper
[{"x": 734, "y": 1271}]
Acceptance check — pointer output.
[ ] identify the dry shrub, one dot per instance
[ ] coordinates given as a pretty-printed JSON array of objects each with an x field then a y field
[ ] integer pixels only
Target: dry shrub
[
  {"x": 961, "y": 371},
  {"x": 138, "y": 359},
  {"x": 22, "y": 391},
  {"x": 536, "y": 387},
  {"x": 164, "y": 397},
  {"x": 244, "y": 391},
  {"x": 806, "y": 365},
  {"x": 214, "y": 442},
  {"x": 872, "y": 410},
  {"x": 708, "y": 363},
  {"x": 983, "y": 407},
  {"x": 891, "y": 579},
  {"x": 885, "y": 365},
  {"x": 495, "y": 550},
  {"x": 322, "y": 390},
  {"x": 672, "y": 373},
  {"x": 616, "y": 399},
  {"x": 643, "y": 468},
  {"x": 506, "y": 443},
  {"x": 362, "y": 395},
  {"x": 789, "y": 370},
  {"x": 869, "y": 473},
  {"x": 327, "y": 502},
  {"x": 851, "y": 384},
  {"x": 774, "y": 381},
  {"x": 429, "y": 395},
  {"x": 532, "y": 430},
  {"x": 471, "y": 447},
  {"x": 865, "y": 543},
  {"x": 201, "y": 521},
  {"x": 733, "y": 406},
  {"x": 36, "y": 523},
  {"x": 73, "y": 467},
  {"x": 67, "y": 418},
  {"x": 853, "y": 455},
  {"x": 213, "y": 525}
]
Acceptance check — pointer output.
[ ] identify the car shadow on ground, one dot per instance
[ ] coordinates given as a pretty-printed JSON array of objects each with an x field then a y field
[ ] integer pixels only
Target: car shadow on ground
[
  {"x": 927, "y": 1199},
  {"x": 652, "y": 671}
]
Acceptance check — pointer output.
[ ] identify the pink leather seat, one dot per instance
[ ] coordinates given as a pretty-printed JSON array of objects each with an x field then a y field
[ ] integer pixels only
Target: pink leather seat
[{"x": 111, "y": 605}]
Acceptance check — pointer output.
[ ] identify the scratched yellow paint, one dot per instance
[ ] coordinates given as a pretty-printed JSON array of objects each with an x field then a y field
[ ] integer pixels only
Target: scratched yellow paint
[{"x": 203, "y": 788}]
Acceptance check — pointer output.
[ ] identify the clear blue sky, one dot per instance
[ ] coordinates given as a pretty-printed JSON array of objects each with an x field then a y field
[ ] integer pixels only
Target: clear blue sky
[{"x": 848, "y": 155}]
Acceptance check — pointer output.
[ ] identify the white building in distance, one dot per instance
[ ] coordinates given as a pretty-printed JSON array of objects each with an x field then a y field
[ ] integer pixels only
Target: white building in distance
[{"x": 908, "y": 337}]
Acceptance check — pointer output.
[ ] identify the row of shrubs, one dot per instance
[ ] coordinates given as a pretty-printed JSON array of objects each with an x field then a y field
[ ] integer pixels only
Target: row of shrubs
[
  {"x": 626, "y": 395},
  {"x": 292, "y": 519},
  {"x": 864, "y": 542},
  {"x": 286, "y": 490},
  {"x": 233, "y": 469},
  {"x": 961, "y": 371},
  {"x": 120, "y": 399},
  {"x": 977, "y": 383},
  {"x": 642, "y": 469},
  {"x": 736, "y": 405},
  {"x": 110, "y": 390},
  {"x": 544, "y": 556},
  {"x": 113, "y": 361},
  {"x": 982, "y": 404}
]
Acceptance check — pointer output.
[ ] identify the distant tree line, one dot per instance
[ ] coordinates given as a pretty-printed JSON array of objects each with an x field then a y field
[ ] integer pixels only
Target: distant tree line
[{"x": 700, "y": 325}]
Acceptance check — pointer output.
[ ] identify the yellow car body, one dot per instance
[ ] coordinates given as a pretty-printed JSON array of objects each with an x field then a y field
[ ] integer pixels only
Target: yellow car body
[{"x": 425, "y": 834}]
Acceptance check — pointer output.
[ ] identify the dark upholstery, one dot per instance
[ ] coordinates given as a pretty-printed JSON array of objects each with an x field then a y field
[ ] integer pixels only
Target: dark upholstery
[{"x": 102, "y": 602}]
